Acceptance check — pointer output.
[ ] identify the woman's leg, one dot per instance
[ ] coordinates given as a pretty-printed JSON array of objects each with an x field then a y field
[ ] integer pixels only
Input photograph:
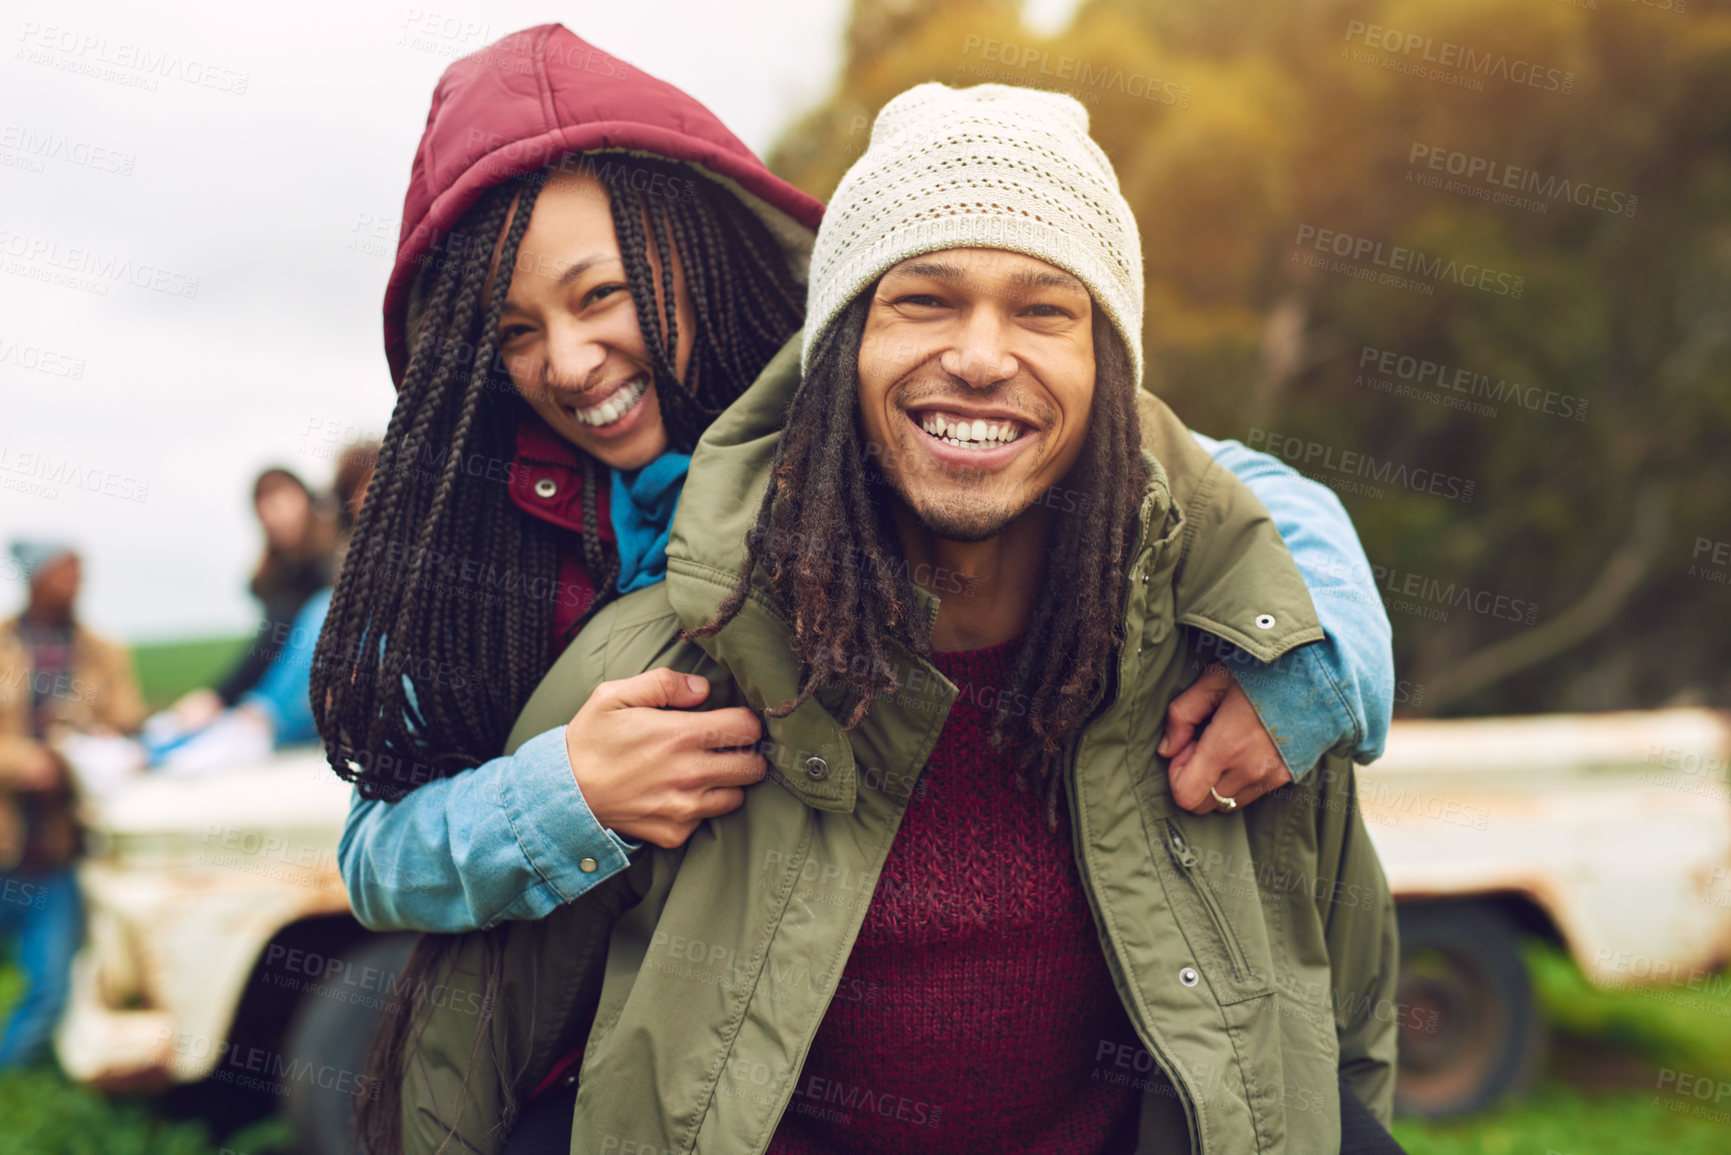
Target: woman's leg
[{"x": 49, "y": 927}]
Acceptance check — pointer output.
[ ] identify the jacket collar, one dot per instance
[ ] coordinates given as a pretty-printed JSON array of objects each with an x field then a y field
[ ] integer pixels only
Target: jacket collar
[
  {"x": 545, "y": 479},
  {"x": 1197, "y": 528}
]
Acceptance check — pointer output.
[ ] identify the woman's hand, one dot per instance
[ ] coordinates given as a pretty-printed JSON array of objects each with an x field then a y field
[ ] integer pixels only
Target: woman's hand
[
  {"x": 649, "y": 767},
  {"x": 196, "y": 709},
  {"x": 1215, "y": 739}
]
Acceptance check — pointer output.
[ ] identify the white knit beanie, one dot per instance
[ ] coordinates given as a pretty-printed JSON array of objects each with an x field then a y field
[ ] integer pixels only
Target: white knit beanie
[{"x": 991, "y": 167}]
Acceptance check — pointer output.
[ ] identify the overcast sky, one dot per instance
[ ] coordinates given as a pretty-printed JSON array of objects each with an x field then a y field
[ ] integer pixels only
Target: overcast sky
[{"x": 260, "y": 154}]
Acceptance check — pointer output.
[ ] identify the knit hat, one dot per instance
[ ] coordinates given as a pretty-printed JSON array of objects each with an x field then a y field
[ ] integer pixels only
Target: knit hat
[
  {"x": 993, "y": 167},
  {"x": 31, "y": 556}
]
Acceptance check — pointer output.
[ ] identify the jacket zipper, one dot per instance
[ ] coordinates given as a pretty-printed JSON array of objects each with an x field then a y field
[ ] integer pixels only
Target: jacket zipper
[
  {"x": 1185, "y": 857},
  {"x": 1144, "y": 1030}
]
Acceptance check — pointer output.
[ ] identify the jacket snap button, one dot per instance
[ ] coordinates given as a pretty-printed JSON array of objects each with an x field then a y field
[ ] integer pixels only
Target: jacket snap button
[
  {"x": 587, "y": 865},
  {"x": 816, "y": 769},
  {"x": 546, "y": 487},
  {"x": 1265, "y": 621},
  {"x": 1189, "y": 977}
]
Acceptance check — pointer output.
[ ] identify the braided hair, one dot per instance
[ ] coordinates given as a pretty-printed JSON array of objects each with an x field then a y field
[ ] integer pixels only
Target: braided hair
[
  {"x": 832, "y": 556},
  {"x": 446, "y": 584}
]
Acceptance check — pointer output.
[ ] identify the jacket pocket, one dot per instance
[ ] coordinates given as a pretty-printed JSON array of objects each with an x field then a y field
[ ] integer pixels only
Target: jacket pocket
[{"x": 1185, "y": 858}]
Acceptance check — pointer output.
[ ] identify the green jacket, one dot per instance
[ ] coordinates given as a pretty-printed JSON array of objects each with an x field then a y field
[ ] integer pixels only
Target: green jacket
[{"x": 1255, "y": 952}]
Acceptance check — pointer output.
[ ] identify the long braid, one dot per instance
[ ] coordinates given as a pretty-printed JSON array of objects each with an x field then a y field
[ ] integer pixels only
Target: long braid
[
  {"x": 473, "y": 648},
  {"x": 734, "y": 274},
  {"x": 1073, "y": 640},
  {"x": 407, "y": 531},
  {"x": 602, "y": 563},
  {"x": 445, "y": 618},
  {"x": 474, "y": 661},
  {"x": 835, "y": 562}
]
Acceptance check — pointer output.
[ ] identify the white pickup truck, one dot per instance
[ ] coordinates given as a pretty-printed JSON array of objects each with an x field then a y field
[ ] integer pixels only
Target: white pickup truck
[{"x": 221, "y": 948}]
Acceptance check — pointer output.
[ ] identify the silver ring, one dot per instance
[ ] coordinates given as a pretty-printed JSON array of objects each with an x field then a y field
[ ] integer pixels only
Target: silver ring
[{"x": 1225, "y": 803}]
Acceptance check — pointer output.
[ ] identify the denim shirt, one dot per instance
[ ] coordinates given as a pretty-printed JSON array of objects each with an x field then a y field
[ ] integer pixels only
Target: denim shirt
[
  {"x": 284, "y": 692},
  {"x": 513, "y": 838}
]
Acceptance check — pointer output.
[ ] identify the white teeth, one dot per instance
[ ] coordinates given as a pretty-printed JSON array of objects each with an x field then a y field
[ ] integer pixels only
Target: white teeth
[
  {"x": 614, "y": 407},
  {"x": 976, "y": 433}
]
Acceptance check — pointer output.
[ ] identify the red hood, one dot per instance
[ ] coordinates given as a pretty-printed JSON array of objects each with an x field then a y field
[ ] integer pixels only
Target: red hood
[{"x": 532, "y": 97}]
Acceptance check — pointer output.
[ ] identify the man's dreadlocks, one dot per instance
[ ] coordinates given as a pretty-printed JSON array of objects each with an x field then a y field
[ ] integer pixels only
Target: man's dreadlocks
[{"x": 830, "y": 549}]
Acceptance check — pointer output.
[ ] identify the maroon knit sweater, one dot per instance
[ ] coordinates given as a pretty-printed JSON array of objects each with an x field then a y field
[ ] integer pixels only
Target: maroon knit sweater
[{"x": 976, "y": 1012}]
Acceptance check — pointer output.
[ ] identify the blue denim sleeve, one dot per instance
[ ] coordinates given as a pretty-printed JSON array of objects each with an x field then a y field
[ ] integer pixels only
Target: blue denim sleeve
[
  {"x": 1337, "y": 693},
  {"x": 283, "y": 694},
  {"x": 505, "y": 840}
]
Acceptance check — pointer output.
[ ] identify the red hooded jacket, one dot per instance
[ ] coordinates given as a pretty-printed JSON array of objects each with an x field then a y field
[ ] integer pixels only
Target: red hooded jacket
[
  {"x": 521, "y": 103},
  {"x": 529, "y": 99}
]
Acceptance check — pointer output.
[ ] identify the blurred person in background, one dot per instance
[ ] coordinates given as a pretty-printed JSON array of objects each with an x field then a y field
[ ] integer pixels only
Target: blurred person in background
[
  {"x": 299, "y": 536},
  {"x": 56, "y": 679},
  {"x": 276, "y": 712}
]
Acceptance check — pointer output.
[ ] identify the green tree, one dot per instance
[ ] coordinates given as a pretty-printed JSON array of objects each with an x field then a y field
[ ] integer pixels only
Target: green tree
[{"x": 1529, "y": 197}]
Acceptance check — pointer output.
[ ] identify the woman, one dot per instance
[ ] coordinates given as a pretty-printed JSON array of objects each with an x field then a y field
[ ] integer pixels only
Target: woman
[
  {"x": 298, "y": 538},
  {"x": 493, "y": 527},
  {"x": 563, "y": 323},
  {"x": 276, "y": 712}
]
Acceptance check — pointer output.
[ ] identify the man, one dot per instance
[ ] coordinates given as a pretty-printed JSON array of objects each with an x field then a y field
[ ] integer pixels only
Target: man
[
  {"x": 897, "y": 946},
  {"x": 56, "y": 677}
]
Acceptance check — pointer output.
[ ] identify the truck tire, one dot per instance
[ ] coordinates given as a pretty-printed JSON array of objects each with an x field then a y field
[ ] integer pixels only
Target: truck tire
[
  {"x": 330, "y": 1034},
  {"x": 1470, "y": 1029}
]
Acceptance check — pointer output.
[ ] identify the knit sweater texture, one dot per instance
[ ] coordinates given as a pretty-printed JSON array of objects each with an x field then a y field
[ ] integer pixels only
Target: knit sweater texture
[{"x": 976, "y": 1011}]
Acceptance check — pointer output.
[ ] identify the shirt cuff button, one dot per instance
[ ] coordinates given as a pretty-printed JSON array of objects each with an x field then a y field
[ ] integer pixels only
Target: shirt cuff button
[{"x": 588, "y": 866}]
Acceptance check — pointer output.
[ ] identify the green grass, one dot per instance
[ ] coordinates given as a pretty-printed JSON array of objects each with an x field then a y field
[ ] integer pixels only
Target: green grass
[
  {"x": 1568, "y": 1120},
  {"x": 42, "y": 1113},
  {"x": 166, "y": 670},
  {"x": 1604, "y": 1090},
  {"x": 1679, "y": 1027}
]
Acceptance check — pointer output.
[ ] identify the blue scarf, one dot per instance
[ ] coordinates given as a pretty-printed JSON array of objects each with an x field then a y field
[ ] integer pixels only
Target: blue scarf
[{"x": 643, "y": 502}]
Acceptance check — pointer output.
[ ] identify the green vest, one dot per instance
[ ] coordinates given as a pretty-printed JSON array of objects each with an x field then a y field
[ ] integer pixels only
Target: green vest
[{"x": 1254, "y": 951}]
